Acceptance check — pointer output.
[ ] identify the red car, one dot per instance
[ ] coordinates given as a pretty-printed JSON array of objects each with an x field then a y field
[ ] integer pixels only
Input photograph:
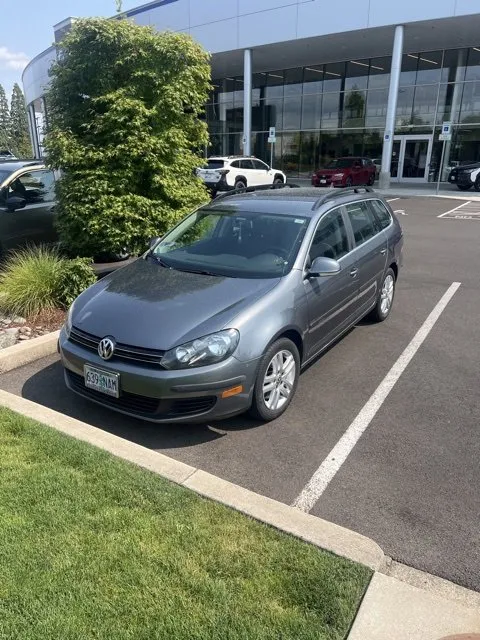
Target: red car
[{"x": 345, "y": 172}]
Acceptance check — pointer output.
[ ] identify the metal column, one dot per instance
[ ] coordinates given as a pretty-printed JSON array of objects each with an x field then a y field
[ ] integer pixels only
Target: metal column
[
  {"x": 384, "y": 182},
  {"x": 247, "y": 102}
]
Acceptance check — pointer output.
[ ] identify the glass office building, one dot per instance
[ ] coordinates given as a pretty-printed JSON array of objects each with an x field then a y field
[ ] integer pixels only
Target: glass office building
[{"x": 367, "y": 81}]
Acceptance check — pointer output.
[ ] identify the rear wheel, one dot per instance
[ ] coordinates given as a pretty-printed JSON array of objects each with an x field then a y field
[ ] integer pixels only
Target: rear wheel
[
  {"x": 476, "y": 185},
  {"x": 464, "y": 187},
  {"x": 348, "y": 182},
  {"x": 385, "y": 298},
  {"x": 241, "y": 185},
  {"x": 276, "y": 381}
]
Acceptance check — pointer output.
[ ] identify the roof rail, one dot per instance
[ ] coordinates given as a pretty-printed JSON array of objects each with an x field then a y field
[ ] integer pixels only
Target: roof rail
[
  {"x": 334, "y": 193},
  {"x": 260, "y": 187}
]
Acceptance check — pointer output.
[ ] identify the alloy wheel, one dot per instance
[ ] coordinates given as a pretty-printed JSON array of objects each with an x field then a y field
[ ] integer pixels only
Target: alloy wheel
[
  {"x": 386, "y": 297},
  {"x": 279, "y": 380}
]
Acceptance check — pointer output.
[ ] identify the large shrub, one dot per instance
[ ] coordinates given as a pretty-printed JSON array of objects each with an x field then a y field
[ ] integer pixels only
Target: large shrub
[
  {"x": 125, "y": 108},
  {"x": 37, "y": 279}
]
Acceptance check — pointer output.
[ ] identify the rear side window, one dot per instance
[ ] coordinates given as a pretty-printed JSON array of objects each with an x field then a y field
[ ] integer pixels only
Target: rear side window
[
  {"x": 235, "y": 164},
  {"x": 381, "y": 213},
  {"x": 363, "y": 222},
  {"x": 216, "y": 164}
]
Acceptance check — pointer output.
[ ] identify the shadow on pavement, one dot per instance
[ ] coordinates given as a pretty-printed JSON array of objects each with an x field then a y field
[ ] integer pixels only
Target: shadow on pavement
[{"x": 47, "y": 388}]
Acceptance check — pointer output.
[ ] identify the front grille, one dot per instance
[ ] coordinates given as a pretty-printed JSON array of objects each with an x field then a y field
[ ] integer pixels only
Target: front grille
[
  {"x": 143, "y": 405},
  {"x": 124, "y": 352}
]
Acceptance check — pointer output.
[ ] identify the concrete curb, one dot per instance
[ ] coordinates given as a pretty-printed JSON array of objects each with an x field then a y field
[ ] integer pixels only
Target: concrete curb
[
  {"x": 321, "y": 533},
  {"x": 28, "y": 351}
]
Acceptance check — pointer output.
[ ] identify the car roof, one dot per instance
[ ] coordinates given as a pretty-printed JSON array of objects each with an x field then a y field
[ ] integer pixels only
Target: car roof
[
  {"x": 232, "y": 158},
  {"x": 281, "y": 201},
  {"x": 15, "y": 165}
]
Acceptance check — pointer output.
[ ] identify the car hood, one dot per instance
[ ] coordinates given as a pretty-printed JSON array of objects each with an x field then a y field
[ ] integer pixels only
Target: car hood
[
  {"x": 330, "y": 172},
  {"x": 474, "y": 165},
  {"x": 150, "y": 306}
]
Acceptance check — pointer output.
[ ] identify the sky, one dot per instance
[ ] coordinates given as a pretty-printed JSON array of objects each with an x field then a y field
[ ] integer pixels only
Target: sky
[{"x": 27, "y": 29}]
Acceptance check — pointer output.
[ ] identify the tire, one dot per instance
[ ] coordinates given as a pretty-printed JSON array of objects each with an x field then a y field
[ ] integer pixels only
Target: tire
[
  {"x": 371, "y": 181},
  {"x": 240, "y": 184},
  {"x": 277, "y": 181},
  {"x": 265, "y": 407},
  {"x": 384, "y": 304},
  {"x": 476, "y": 185},
  {"x": 348, "y": 182},
  {"x": 464, "y": 187}
]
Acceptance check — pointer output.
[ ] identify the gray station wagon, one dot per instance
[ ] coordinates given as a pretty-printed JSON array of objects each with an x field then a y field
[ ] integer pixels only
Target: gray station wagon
[{"x": 222, "y": 313}]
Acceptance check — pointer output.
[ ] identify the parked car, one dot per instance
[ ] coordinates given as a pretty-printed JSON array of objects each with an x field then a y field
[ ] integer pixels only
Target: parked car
[
  {"x": 466, "y": 176},
  {"x": 5, "y": 154},
  {"x": 345, "y": 172},
  {"x": 222, "y": 313},
  {"x": 224, "y": 173},
  {"x": 378, "y": 166},
  {"x": 27, "y": 198}
]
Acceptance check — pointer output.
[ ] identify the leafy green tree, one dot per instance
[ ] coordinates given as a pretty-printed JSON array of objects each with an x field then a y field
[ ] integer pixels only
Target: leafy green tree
[
  {"x": 4, "y": 120},
  {"x": 20, "y": 137},
  {"x": 124, "y": 126}
]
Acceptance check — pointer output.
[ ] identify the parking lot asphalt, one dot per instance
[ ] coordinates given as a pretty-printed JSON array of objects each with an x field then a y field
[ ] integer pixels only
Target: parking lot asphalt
[{"x": 411, "y": 482}]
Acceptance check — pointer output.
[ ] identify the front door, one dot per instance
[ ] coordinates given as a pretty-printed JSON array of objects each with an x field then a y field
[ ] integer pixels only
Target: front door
[
  {"x": 411, "y": 158},
  {"x": 331, "y": 299}
]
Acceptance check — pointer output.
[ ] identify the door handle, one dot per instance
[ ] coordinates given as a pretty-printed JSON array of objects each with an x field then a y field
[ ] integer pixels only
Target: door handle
[
  {"x": 354, "y": 272},
  {"x": 383, "y": 252}
]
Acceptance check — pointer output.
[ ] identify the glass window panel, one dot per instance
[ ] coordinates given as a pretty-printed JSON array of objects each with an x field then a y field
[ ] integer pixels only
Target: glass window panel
[
  {"x": 331, "y": 112},
  {"x": 290, "y": 153},
  {"x": 334, "y": 76},
  {"x": 273, "y": 114},
  {"x": 311, "y": 111},
  {"x": 309, "y": 149},
  {"x": 258, "y": 116},
  {"x": 473, "y": 65},
  {"x": 466, "y": 145},
  {"x": 330, "y": 147},
  {"x": 409, "y": 70},
  {"x": 424, "y": 104},
  {"x": 470, "y": 111},
  {"x": 274, "y": 84},
  {"x": 354, "y": 109},
  {"x": 313, "y": 79},
  {"x": 357, "y": 74},
  {"x": 405, "y": 106},
  {"x": 379, "y": 77},
  {"x": 454, "y": 62},
  {"x": 429, "y": 67},
  {"x": 373, "y": 146},
  {"x": 238, "y": 94},
  {"x": 352, "y": 144},
  {"x": 293, "y": 82},
  {"x": 449, "y": 101},
  {"x": 292, "y": 111},
  {"x": 376, "y": 109},
  {"x": 259, "y": 80}
]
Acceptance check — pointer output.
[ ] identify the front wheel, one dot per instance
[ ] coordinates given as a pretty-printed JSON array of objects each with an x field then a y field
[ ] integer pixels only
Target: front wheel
[
  {"x": 277, "y": 182},
  {"x": 371, "y": 180},
  {"x": 348, "y": 182},
  {"x": 476, "y": 184},
  {"x": 382, "y": 309},
  {"x": 464, "y": 187},
  {"x": 276, "y": 381}
]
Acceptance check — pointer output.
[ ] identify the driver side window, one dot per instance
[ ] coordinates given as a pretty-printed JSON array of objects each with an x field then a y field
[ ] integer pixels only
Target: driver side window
[
  {"x": 331, "y": 238},
  {"x": 35, "y": 187}
]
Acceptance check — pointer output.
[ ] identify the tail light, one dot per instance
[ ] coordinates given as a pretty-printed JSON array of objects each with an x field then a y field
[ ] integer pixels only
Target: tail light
[{"x": 223, "y": 172}]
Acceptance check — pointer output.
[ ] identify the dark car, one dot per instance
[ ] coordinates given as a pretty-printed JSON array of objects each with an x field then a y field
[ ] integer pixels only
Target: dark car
[
  {"x": 27, "y": 199},
  {"x": 466, "y": 176},
  {"x": 346, "y": 172},
  {"x": 221, "y": 314}
]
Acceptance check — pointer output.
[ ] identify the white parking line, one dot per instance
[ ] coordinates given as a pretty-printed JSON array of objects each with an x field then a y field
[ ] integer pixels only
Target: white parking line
[
  {"x": 456, "y": 209},
  {"x": 340, "y": 452},
  {"x": 393, "y": 199}
]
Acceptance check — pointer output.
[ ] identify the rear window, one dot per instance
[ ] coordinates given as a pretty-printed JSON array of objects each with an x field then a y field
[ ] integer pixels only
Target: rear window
[{"x": 215, "y": 164}]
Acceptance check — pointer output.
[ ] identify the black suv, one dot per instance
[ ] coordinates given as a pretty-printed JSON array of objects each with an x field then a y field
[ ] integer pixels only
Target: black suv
[
  {"x": 27, "y": 199},
  {"x": 466, "y": 176}
]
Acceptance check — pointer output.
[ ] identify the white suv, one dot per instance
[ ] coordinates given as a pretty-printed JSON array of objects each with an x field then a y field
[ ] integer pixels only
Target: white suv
[{"x": 223, "y": 173}]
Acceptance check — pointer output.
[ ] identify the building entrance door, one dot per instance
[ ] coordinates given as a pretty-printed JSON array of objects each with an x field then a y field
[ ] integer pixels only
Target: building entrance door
[{"x": 411, "y": 158}]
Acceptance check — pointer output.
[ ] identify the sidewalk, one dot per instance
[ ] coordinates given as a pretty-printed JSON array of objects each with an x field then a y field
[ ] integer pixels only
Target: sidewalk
[{"x": 403, "y": 190}]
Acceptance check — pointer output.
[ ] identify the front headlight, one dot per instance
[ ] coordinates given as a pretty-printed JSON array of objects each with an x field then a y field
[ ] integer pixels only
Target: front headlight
[
  {"x": 68, "y": 321},
  {"x": 207, "y": 350}
]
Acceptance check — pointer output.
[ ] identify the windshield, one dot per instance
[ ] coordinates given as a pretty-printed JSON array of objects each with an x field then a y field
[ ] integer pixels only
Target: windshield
[
  {"x": 341, "y": 163},
  {"x": 232, "y": 243}
]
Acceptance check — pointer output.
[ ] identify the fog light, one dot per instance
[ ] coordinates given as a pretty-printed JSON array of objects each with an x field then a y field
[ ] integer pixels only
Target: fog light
[{"x": 234, "y": 391}]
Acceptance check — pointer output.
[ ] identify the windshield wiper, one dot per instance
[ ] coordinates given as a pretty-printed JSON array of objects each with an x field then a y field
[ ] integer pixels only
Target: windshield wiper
[
  {"x": 159, "y": 260},
  {"x": 203, "y": 272}
]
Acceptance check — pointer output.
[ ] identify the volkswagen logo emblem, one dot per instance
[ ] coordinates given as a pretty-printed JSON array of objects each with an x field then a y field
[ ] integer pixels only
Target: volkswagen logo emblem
[{"x": 106, "y": 348}]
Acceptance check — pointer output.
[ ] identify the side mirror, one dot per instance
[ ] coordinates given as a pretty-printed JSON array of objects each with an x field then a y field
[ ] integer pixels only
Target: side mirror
[
  {"x": 323, "y": 267},
  {"x": 15, "y": 202},
  {"x": 153, "y": 242}
]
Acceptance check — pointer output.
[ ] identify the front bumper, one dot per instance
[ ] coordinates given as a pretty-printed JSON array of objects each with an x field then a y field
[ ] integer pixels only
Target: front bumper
[
  {"x": 327, "y": 181},
  {"x": 462, "y": 179},
  {"x": 161, "y": 396}
]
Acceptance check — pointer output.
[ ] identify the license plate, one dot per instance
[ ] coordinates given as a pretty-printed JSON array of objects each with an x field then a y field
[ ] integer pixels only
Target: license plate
[
  {"x": 102, "y": 381},
  {"x": 323, "y": 182}
]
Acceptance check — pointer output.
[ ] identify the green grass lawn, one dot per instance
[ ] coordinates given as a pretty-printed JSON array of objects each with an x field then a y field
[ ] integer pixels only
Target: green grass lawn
[{"x": 92, "y": 547}]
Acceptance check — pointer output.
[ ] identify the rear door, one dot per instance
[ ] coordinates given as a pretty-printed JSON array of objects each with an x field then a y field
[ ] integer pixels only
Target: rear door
[
  {"x": 35, "y": 222},
  {"x": 247, "y": 169},
  {"x": 331, "y": 299},
  {"x": 370, "y": 251}
]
